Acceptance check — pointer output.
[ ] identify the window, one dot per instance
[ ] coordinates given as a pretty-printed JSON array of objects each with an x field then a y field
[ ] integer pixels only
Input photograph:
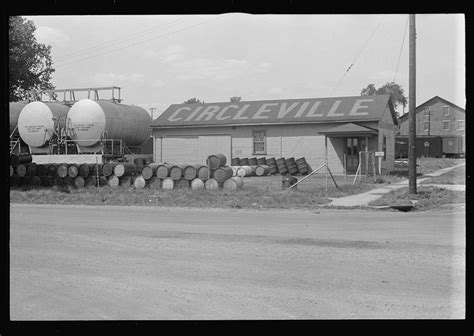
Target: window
[
  {"x": 427, "y": 113},
  {"x": 426, "y": 126},
  {"x": 384, "y": 147},
  {"x": 446, "y": 111},
  {"x": 446, "y": 125},
  {"x": 460, "y": 125},
  {"x": 259, "y": 142}
]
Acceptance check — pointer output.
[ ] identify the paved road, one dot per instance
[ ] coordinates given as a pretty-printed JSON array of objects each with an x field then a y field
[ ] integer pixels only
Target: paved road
[{"x": 95, "y": 263}]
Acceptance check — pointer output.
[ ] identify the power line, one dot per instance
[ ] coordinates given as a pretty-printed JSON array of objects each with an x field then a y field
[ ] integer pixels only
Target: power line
[
  {"x": 116, "y": 41},
  {"x": 401, "y": 48},
  {"x": 355, "y": 59},
  {"x": 133, "y": 44}
]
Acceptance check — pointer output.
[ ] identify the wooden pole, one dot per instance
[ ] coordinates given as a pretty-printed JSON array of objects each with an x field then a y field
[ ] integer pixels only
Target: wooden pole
[
  {"x": 412, "y": 108},
  {"x": 326, "y": 161}
]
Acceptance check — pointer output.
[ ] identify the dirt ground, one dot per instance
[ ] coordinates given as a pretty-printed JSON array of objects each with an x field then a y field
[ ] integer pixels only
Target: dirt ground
[{"x": 129, "y": 263}]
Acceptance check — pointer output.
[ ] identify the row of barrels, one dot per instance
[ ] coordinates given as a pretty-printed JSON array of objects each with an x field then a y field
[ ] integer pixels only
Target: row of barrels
[{"x": 283, "y": 166}]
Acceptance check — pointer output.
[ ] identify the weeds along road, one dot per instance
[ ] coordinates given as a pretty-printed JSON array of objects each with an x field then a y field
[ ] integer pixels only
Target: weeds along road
[{"x": 95, "y": 263}]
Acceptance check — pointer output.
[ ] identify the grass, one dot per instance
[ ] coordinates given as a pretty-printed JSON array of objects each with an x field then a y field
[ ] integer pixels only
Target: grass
[
  {"x": 454, "y": 176},
  {"x": 427, "y": 198},
  {"x": 429, "y": 165}
]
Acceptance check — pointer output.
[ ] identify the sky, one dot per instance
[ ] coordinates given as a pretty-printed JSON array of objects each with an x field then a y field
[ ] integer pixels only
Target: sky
[{"x": 159, "y": 60}]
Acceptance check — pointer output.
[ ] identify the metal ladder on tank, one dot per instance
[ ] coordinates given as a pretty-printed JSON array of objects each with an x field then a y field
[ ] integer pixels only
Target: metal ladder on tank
[{"x": 15, "y": 140}]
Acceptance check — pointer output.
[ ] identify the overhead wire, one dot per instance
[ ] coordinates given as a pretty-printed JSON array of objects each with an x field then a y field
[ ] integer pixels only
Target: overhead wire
[
  {"x": 117, "y": 41},
  {"x": 401, "y": 49},
  {"x": 355, "y": 59},
  {"x": 134, "y": 44}
]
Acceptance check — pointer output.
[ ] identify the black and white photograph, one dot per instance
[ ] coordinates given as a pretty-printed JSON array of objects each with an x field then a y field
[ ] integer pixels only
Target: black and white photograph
[{"x": 236, "y": 166}]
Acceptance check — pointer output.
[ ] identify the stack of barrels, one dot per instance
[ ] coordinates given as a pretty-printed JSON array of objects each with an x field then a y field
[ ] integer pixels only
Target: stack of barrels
[{"x": 262, "y": 166}]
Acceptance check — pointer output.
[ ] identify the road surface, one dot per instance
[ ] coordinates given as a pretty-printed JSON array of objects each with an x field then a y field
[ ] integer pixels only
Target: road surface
[{"x": 139, "y": 263}]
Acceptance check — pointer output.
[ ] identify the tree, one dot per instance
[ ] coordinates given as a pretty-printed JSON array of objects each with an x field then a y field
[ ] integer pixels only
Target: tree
[
  {"x": 30, "y": 65},
  {"x": 235, "y": 99},
  {"x": 393, "y": 89},
  {"x": 193, "y": 101}
]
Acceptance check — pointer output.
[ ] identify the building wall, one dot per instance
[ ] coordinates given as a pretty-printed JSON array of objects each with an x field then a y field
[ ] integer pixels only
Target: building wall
[
  {"x": 283, "y": 141},
  {"x": 436, "y": 120},
  {"x": 387, "y": 129}
]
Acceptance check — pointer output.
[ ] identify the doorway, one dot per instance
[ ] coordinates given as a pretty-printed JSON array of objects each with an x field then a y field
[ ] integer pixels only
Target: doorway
[{"x": 353, "y": 147}]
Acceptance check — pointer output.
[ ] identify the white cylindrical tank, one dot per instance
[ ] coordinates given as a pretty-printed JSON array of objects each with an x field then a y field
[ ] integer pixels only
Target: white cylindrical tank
[
  {"x": 15, "y": 109},
  {"x": 37, "y": 119},
  {"x": 89, "y": 119}
]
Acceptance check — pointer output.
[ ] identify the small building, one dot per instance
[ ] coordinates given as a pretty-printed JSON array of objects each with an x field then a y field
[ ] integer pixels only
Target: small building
[
  {"x": 341, "y": 127},
  {"x": 436, "y": 118}
]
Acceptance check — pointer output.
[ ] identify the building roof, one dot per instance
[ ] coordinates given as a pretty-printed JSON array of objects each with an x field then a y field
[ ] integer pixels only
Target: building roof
[
  {"x": 268, "y": 112},
  {"x": 349, "y": 128},
  {"x": 420, "y": 107}
]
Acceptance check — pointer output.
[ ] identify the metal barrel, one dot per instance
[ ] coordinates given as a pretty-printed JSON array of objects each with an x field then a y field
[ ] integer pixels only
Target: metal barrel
[
  {"x": 182, "y": 184},
  {"x": 73, "y": 170},
  {"x": 25, "y": 158},
  {"x": 61, "y": 170},
  {"x": 31, "y": 169},
  {"x": 223, "y": 173},
  {"x": 167, "y": 184},
  {"x": 262, "y": 170},
  {"x": 46, "y": 181},
  {"x": 271, "y": 162},
  {"x": 176, "y": 171},
  {"x": 149, "y": 171},
  {"x": 12, "y": 171},
  {"x": 154, "y": 183},
  {"x": 244, "y": 162},
  {"x": 262, "y": 161},
  {"x": 253, "y": 161},
  {"x": 95, "y": 169},
  {"x": 303, "y": 166},
  {"x": 189, "y": 172},
  {"x": 125, "y": 169},
  {"x": 139, "y": 182},
  {"x": 163, "y": 170},
  {"x": 90, "y": 181},
  {"x": 233, "y": 183},
  {"x": 288, "y": 181},
  {"x": 140, "y": 161},
  {"x": 68, "y": 181},
  {"x": 125, "y": 181},
  {"x": 235, "y": 161},
  {"x": 212, "y": 184},
  {"x": 41, "y": 170},
  {"x": 202, "y": 172},
  {"x": 292, "y": 167},
  {"x": 84, "y": 170},
  {"x": 281, "y": 165},
  {"x": 245, "y": 171},
  {"x": 79, "y": 182},
  {"x": 197, "y": 184},
  {"x": 14, "y": 180},
  {"x": 216, "y": 160},
  {"x": 35, "y": 181},
  {"x": 108, "y": 168},
  {"x": 113, "y": 181},
  {"x": 14, "y": 160},
  {"x": 52, "y": 169},
  {"x": 21, "y": 170},
  {"x": 102, "y": 181},
  {"x": 234, "y": 170}
]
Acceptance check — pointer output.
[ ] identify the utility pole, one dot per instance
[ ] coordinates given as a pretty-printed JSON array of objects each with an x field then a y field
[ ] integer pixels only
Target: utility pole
[
  {"x": 152, "y": 109},
  {"x": 412, "y": 108}
]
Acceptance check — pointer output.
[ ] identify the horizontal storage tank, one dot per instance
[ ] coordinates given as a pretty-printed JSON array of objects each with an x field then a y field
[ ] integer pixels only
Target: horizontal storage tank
[
  {"x": 15, "y": 109},
  {"x": 36, "y": 121},
  {"x": 89, "y": 119}
]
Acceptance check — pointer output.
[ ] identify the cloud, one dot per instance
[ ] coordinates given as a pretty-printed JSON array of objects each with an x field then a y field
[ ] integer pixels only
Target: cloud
[
  {"x": 158, "y": 83},
  {"x": 205, "y": 68},
  {"x": 50, "y": 35},
  {"x": 275, "y": 90}
]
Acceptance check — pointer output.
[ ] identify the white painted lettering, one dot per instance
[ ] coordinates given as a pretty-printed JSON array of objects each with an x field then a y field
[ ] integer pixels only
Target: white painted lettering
[
  {"x": 332, "y": 111},
  {"x": 208, "y": 112},
  {"x": 238, "y": 116},
  {"x": 194, "y": 113},
  {"x": 173, "y": 117},
  {"x": 219, "y": 115},
  {"x": 263, "y": 109},
  {"x": 302, "y": 109},
  {"x": 358, "y": 105},
  {"x": 284, "y": 110},
  {"x": 311, "y": 113}
]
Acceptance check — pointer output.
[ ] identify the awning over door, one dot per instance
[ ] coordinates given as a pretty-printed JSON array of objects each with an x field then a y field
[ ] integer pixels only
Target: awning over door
[{"x": 349, "y": 129}]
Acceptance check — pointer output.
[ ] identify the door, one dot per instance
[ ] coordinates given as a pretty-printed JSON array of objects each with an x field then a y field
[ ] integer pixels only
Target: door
[{"x": 352, "y": 154}]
